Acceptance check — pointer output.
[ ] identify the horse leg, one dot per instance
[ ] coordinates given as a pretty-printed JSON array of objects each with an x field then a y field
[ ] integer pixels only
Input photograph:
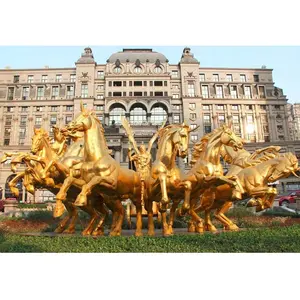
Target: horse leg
[
  {"x": 62, "y": 225},
  {"x": 163, "y": 185},
  {"x": 44, "y": 171},
  {"x": 208, "y": 225},
  {"x": 139, "y": 219},
  {"x": 165, "y": 226},
  {"x": 173, "y": 214},
  {"x": 219, "y": 215},
  {"x": 94, "y": 215},
  {"x": 99, "y": 230},
  {"x": 87, "y": 189},
  {"x": 73, "y": 217},
  {"x": 117, "y": 229},
  {"x": 149, "y": 208},
  {"x": 13, "y": 182}
]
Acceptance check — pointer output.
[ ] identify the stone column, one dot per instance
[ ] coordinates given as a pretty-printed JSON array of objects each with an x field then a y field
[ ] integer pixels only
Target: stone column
[
  {"x": 286, "y": 128},
  {"x": 29, "y": 131},
  {"x": 258, "y": 131},
  {"x": 244, "y": 127},
  {"x": 149, "y": 118},
  {"x": 215, "y": 121},
  {"x": 106, "y": 119},
  {"x": 272, "y": 129},
  {"x": 118, "y": 154},
  {"x": 170, "y": 115}
]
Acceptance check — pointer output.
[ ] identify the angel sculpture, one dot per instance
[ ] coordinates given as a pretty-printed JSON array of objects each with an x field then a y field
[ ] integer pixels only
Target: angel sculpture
[{"x": 142, "y": 156}]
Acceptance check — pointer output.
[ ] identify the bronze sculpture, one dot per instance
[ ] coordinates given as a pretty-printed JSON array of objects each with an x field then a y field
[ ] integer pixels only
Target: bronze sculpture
[{"x": 85, "y": 175}]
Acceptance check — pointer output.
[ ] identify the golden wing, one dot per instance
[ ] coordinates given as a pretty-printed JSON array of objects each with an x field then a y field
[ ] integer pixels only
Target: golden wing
[
  {"x": 151, "y": 142},
  {"x": 130, "y": 134}
]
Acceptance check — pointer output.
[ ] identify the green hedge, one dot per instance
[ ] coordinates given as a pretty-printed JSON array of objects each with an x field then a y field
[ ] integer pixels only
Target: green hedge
[{"x": 281, "y": 239}]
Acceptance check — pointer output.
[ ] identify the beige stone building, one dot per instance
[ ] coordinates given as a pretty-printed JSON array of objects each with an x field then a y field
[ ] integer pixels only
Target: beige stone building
[{"x": 144, "y": 86}]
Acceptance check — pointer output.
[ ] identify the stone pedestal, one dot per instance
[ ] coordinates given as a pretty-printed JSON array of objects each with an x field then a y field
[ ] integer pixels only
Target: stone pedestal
[{"x": 10, "y": 205}]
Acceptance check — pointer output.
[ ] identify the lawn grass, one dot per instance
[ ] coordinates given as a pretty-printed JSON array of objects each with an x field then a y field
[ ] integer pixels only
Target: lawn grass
[{"x": 277, "y": 239}]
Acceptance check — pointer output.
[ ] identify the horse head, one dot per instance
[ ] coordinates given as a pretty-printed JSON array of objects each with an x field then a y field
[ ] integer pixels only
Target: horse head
[
  {"x": 38, "y": 139},
  {"x": 229, "y": 138},
  {"x": 286, "y": 165}
]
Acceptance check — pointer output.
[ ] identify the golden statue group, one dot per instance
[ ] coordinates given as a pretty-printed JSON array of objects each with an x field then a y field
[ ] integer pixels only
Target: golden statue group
[{"x": 85, "y": 175}]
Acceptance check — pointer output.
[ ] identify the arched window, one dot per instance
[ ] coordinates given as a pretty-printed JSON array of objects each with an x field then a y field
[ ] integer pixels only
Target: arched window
[
  {"x": 157, "y": 70},
  {"x": 159, "y": 114},
  {"x": 117, "y": 70},
  {"x": 138, "y": 114},
  {"x": 116, "y": 113},
  {"x": 137, "y": 70}
]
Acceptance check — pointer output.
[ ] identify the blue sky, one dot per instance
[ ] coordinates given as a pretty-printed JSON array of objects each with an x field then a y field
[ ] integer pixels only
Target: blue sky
[{"x": 284, "y": 60}]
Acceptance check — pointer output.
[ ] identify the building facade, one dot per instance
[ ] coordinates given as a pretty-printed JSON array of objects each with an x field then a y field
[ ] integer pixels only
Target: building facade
[{"x": 143, "y": 86}]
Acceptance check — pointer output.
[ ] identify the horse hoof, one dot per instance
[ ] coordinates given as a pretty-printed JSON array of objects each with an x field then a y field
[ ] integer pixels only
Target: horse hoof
[
  {"x": 59, "y": 230},
  {"x": 81, "y": 201},
  {"x": 138, "y": 233},
  {"x": 69, "y": 231},
  {"x": 151, "y": 233},
  {"x": 199, "y": 229},
  {"x": 210, "y": 228},
  {"x": 114, "y": 233},
  {"x": 98, "y": 233},
  {"x": 58, "y": 210},
  {"x": 232, "y": 227}
]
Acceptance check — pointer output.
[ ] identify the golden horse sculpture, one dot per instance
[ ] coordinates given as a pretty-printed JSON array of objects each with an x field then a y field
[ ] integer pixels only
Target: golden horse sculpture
[
  {"x": 254, "y": 172},
  {"x": 207, "y": 173},
  {"x": 162, "y": 178}
]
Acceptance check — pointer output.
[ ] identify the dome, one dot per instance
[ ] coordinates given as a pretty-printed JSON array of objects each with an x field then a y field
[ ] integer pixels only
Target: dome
[{"x": 143, "y": 55}]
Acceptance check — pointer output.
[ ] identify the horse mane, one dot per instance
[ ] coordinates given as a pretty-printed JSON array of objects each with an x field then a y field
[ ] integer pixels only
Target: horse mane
[
  {"x": 201, "y": 146},
  {"x": 167, "y": 131}
]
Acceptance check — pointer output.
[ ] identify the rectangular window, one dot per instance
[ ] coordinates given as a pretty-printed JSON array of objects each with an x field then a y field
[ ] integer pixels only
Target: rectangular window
[
  {"x": 124, "y": 94},
  {"x": 248, "y": 107},
  {"x": 117, "y": 83},
  {"x": 23, "y": 121},
  {"x": 98, "y": 107},
  {"x": 176, "y": 107},
  {"x": 25, "y": 93},
  {"x": 158, "y": 94},
  {"x": 69, "y": 108},
  {"x": 204, "y": 91},
  {"x": 233, "y": 91},
  {"x": 40, "y": 92},
  {"x": 166, "y": 94},
  {"x": 151, "y": 83},
  {"x": 16, "y": 78},
  {"x": 145, "y": 83},
  {"x": 55, "y": 92},
  {"x": 138, "y": 94},
  {"x": 138, "y": 83},
  {"x": 175, "y": 96},
  {"x": 158, "y": 83},
  {"x": 58, "y": 78},
  {"x": 124, "y": 83},
  {"x": 220, "y": 107},
  {"x": 247, "y": 91},
  {"x": 165, "y": 83},
  {"x": 194, "y": 137},
  {"x": 130, "y": 83},
  {"x": 100, "y": 74},
  {"x": 191, "y": 89},
  {"x": 235, "y": 119},
  {"x": 219, "y": 91},
  {"x": 53, "y": 120},
  {"x": 215, "y": 77},
  {"x": 109, "y": 83},
  {"x": 193, "y": 126},
  {"x": 205, "y": 107},
  {"x": 242, "y": 77},
  {"x": 73, "y": 77},
  {"x": 24, "y": 108},
  {"x": 256, "y": 78},
  {"x": 39, "y": 108},
  {"x": 174, "y": 74},
  {"x": 234, "y": 107},
  {"x": 30, "y": 78},
  {"x": 207, "y": 129},
  {"x": 202, "y": 77},
  {"x": 68, "y": 119},
  {"x": 11, "y": 92},
  {"x": 8, "y": 120},
  {"x": 70, "y": 91},
  {"x": 221, "y": 119},
  {"x": 145, "y": 94},
  {"x": 53, "y": 108},
  {"x": 192, "y": 106},
  {"x": 117, "y": 94},
  {"x": 206, "y": 119},
  {"x": 261, "y": 92},
  {"x": 263, "y": 107},
  {"x": 10, "y": 109},
  {"x": 84, "y": 90},
  {"x": 38, "y": 120},
  {"x": 151, "y": 94},
  {"x": 229, "y": 77},
  {"x": 176, "y": 119},
  {"x": 44, "y": 78}
]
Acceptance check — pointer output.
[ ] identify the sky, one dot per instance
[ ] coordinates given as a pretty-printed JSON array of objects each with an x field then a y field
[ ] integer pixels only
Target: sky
[{"x": 284, "y": 60}]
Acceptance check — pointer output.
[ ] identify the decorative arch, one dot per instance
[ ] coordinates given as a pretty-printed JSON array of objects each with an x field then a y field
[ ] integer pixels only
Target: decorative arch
[
  {"x": 164, "y": 102},
  {"x": 113, "y": 102},
  {"x": 138, "y": 113},
  {"x": 116, "y": 112},
  {"x": 142, "y": 102},
  {"x": 159, "y": 113}
]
